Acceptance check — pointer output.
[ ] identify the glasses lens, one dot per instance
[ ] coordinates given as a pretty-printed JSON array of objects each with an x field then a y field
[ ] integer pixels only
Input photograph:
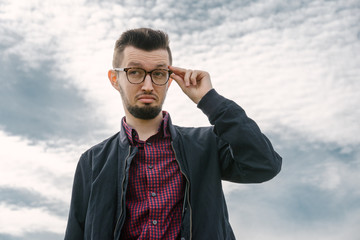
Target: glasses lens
[
  {"x": 160, "y": 76},
  {"x": 135, "y": 75}
]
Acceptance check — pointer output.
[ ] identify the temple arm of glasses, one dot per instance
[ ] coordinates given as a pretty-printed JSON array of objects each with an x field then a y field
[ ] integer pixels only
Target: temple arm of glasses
[{"x": 119, "y": 69}]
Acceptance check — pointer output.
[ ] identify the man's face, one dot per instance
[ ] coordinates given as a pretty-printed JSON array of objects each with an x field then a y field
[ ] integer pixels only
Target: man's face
[{"x": 143, "y": 100}]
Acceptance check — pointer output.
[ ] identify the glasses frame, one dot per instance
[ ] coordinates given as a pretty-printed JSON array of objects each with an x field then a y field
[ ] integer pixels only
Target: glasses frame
[{"x": 146, "y": 73}]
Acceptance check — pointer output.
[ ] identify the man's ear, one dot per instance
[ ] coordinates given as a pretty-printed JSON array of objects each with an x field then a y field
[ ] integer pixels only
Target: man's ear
[{"x": 113, "y": 79}]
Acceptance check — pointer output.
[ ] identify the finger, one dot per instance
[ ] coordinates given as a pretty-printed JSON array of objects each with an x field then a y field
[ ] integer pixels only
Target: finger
[
  {"x": 177, "y": 74},
  {"x": 178, "y": 79},
  {"x": 193, "y": 78},
  {"x": 177, "y": 70},
  {"x": 187, "y": 77}
]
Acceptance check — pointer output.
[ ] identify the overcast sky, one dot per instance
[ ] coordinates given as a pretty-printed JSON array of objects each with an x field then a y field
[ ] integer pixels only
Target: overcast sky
[{"x": 294, "y": 66}]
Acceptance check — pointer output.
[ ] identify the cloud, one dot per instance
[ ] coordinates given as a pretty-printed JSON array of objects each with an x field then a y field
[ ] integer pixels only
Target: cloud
[
  {"x": 295, "y": 69},
  {"x": 24, "y": 198},
  {"x": 36, "y": 104},
  {"x": 316, "y": 196},
  {"x": 39, "y": 100},
  {"x": 25, "y": 166},
  {"x": 38, "y": 235},
  {"x": 293, "y": 66},
  {"x": 22, "y": 220},
  {"x": 268, "y": 51},
  {"x": 35, "y": 186}
]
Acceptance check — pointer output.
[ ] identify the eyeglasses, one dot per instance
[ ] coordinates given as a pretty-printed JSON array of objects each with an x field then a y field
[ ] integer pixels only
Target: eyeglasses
[{"x": 137, "y": 75}]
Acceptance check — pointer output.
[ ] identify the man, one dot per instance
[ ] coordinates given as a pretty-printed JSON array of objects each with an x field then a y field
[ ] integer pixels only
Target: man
[{"x": 155, "y": 180}]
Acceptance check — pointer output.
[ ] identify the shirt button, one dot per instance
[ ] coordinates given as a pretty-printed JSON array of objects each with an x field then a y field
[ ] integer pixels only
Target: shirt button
[
  {"x": 150, "y": 166},
  {"x": 153, "y": 194},
  {"x": 149, "y": 144},
  {"x": 183, "y": 238},
  {"x": 154, "y": 222}
]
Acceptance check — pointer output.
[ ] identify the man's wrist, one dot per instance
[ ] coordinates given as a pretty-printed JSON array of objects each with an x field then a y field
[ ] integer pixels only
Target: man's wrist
[{"x": 210, "y": 102}]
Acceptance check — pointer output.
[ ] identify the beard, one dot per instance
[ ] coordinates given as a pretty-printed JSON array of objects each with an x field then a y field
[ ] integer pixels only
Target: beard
[{"x": 145, "y": 113}]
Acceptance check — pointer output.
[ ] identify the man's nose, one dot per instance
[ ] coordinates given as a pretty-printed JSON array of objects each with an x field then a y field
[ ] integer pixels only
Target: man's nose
[{"x": 147, "y": 84}]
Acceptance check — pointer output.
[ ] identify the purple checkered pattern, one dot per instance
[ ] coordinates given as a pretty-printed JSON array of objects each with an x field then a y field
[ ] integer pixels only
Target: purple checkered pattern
[{"x": 155, "y": 192}]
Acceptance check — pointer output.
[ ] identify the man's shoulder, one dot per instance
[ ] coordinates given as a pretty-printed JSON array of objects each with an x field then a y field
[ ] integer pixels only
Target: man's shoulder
[
  {"x": 193, "y": 132},
  {"x": 107, "y": 144}
]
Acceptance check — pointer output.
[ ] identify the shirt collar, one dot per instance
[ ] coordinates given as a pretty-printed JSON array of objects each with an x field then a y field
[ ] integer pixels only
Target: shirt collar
[{"x": 163, "y": 130}]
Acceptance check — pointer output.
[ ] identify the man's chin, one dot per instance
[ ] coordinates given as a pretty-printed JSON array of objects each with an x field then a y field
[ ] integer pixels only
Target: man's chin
[{"x": 146, "y": 112}]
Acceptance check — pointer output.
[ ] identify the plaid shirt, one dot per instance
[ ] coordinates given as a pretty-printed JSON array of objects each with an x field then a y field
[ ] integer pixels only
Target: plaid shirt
[{"x": 155, "y": 192}]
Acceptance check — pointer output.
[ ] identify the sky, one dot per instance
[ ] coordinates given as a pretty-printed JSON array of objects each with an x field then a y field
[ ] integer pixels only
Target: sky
[{"x": 292, "y": 65}]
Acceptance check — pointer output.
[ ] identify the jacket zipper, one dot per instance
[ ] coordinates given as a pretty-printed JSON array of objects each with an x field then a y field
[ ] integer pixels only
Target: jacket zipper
[
  {"x": 122, "y": 193},
  {"x": 186, "y": 190}
]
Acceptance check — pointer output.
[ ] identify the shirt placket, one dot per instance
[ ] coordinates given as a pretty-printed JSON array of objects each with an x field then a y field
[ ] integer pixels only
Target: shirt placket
[
  {"x": 151, "y": 169},
  {"x": 142, "y": 162}
]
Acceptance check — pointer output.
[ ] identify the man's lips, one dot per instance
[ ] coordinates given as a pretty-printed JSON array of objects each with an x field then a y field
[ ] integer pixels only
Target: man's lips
[{"x": 146, "y": 98}]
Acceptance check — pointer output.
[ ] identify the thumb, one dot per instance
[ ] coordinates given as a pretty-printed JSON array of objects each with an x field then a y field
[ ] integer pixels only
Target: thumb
[
  {"x": 170, "y": 81},
  {"x": 178, "y": 79}
]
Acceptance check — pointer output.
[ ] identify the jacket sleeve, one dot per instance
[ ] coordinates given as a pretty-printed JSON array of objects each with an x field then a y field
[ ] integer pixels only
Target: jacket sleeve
[
  {"x": 245, "y": 154},
  {"x": 79, "y": 201}
]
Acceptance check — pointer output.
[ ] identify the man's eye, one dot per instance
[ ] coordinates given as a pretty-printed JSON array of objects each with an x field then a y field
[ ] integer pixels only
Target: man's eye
[
  {"x": 134, "y": 72},
  {"x": 159, "y": 73}
]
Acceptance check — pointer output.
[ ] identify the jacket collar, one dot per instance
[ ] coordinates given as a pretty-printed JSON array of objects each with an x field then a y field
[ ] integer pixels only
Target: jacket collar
[{"x": 123, "y": 139}]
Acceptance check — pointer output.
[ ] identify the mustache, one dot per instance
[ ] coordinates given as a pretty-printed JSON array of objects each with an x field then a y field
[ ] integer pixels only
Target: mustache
[{"x": 140, "y": 95}]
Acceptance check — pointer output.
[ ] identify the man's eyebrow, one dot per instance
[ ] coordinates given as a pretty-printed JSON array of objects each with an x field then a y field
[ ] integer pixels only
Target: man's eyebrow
[{"x": 162, "y": 65}]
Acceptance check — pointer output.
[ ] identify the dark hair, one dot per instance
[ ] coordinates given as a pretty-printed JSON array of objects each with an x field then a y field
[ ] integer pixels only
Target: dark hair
[{"x": 143, "y": 38}]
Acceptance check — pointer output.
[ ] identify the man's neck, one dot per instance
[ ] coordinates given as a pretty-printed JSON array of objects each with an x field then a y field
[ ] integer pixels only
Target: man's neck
[{"x": 144, "y": 128}]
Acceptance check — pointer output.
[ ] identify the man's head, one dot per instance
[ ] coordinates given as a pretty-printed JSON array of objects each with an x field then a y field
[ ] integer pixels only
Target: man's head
[
  {"x": 145, "y": 49},
  {"x": 142, "y": 38}
]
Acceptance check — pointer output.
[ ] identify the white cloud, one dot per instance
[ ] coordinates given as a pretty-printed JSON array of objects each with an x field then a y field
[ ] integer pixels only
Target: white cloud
[
  {"x": 324, "y": 176},
  {"x": 19, "y": 221},
  {"x": 44, "y": 172},
  {"x": 301, "y": 76},
  {"x": 335, "y": 175},
  {"x": 271, "y": 227},
  {"x": 292, "y": 66},
  {"x": 37, "y": 167}
]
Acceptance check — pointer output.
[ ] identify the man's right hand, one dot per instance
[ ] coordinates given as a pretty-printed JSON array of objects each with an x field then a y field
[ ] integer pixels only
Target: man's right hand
[{"x": 194, "y": 83}]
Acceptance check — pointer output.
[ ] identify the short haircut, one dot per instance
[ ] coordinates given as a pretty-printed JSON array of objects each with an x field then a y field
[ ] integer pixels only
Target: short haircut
[{"x": 142, "y": 38}]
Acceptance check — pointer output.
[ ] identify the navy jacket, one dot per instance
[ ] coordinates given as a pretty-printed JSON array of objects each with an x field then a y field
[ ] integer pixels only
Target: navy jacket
[{"x": 232, "y": 149}]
